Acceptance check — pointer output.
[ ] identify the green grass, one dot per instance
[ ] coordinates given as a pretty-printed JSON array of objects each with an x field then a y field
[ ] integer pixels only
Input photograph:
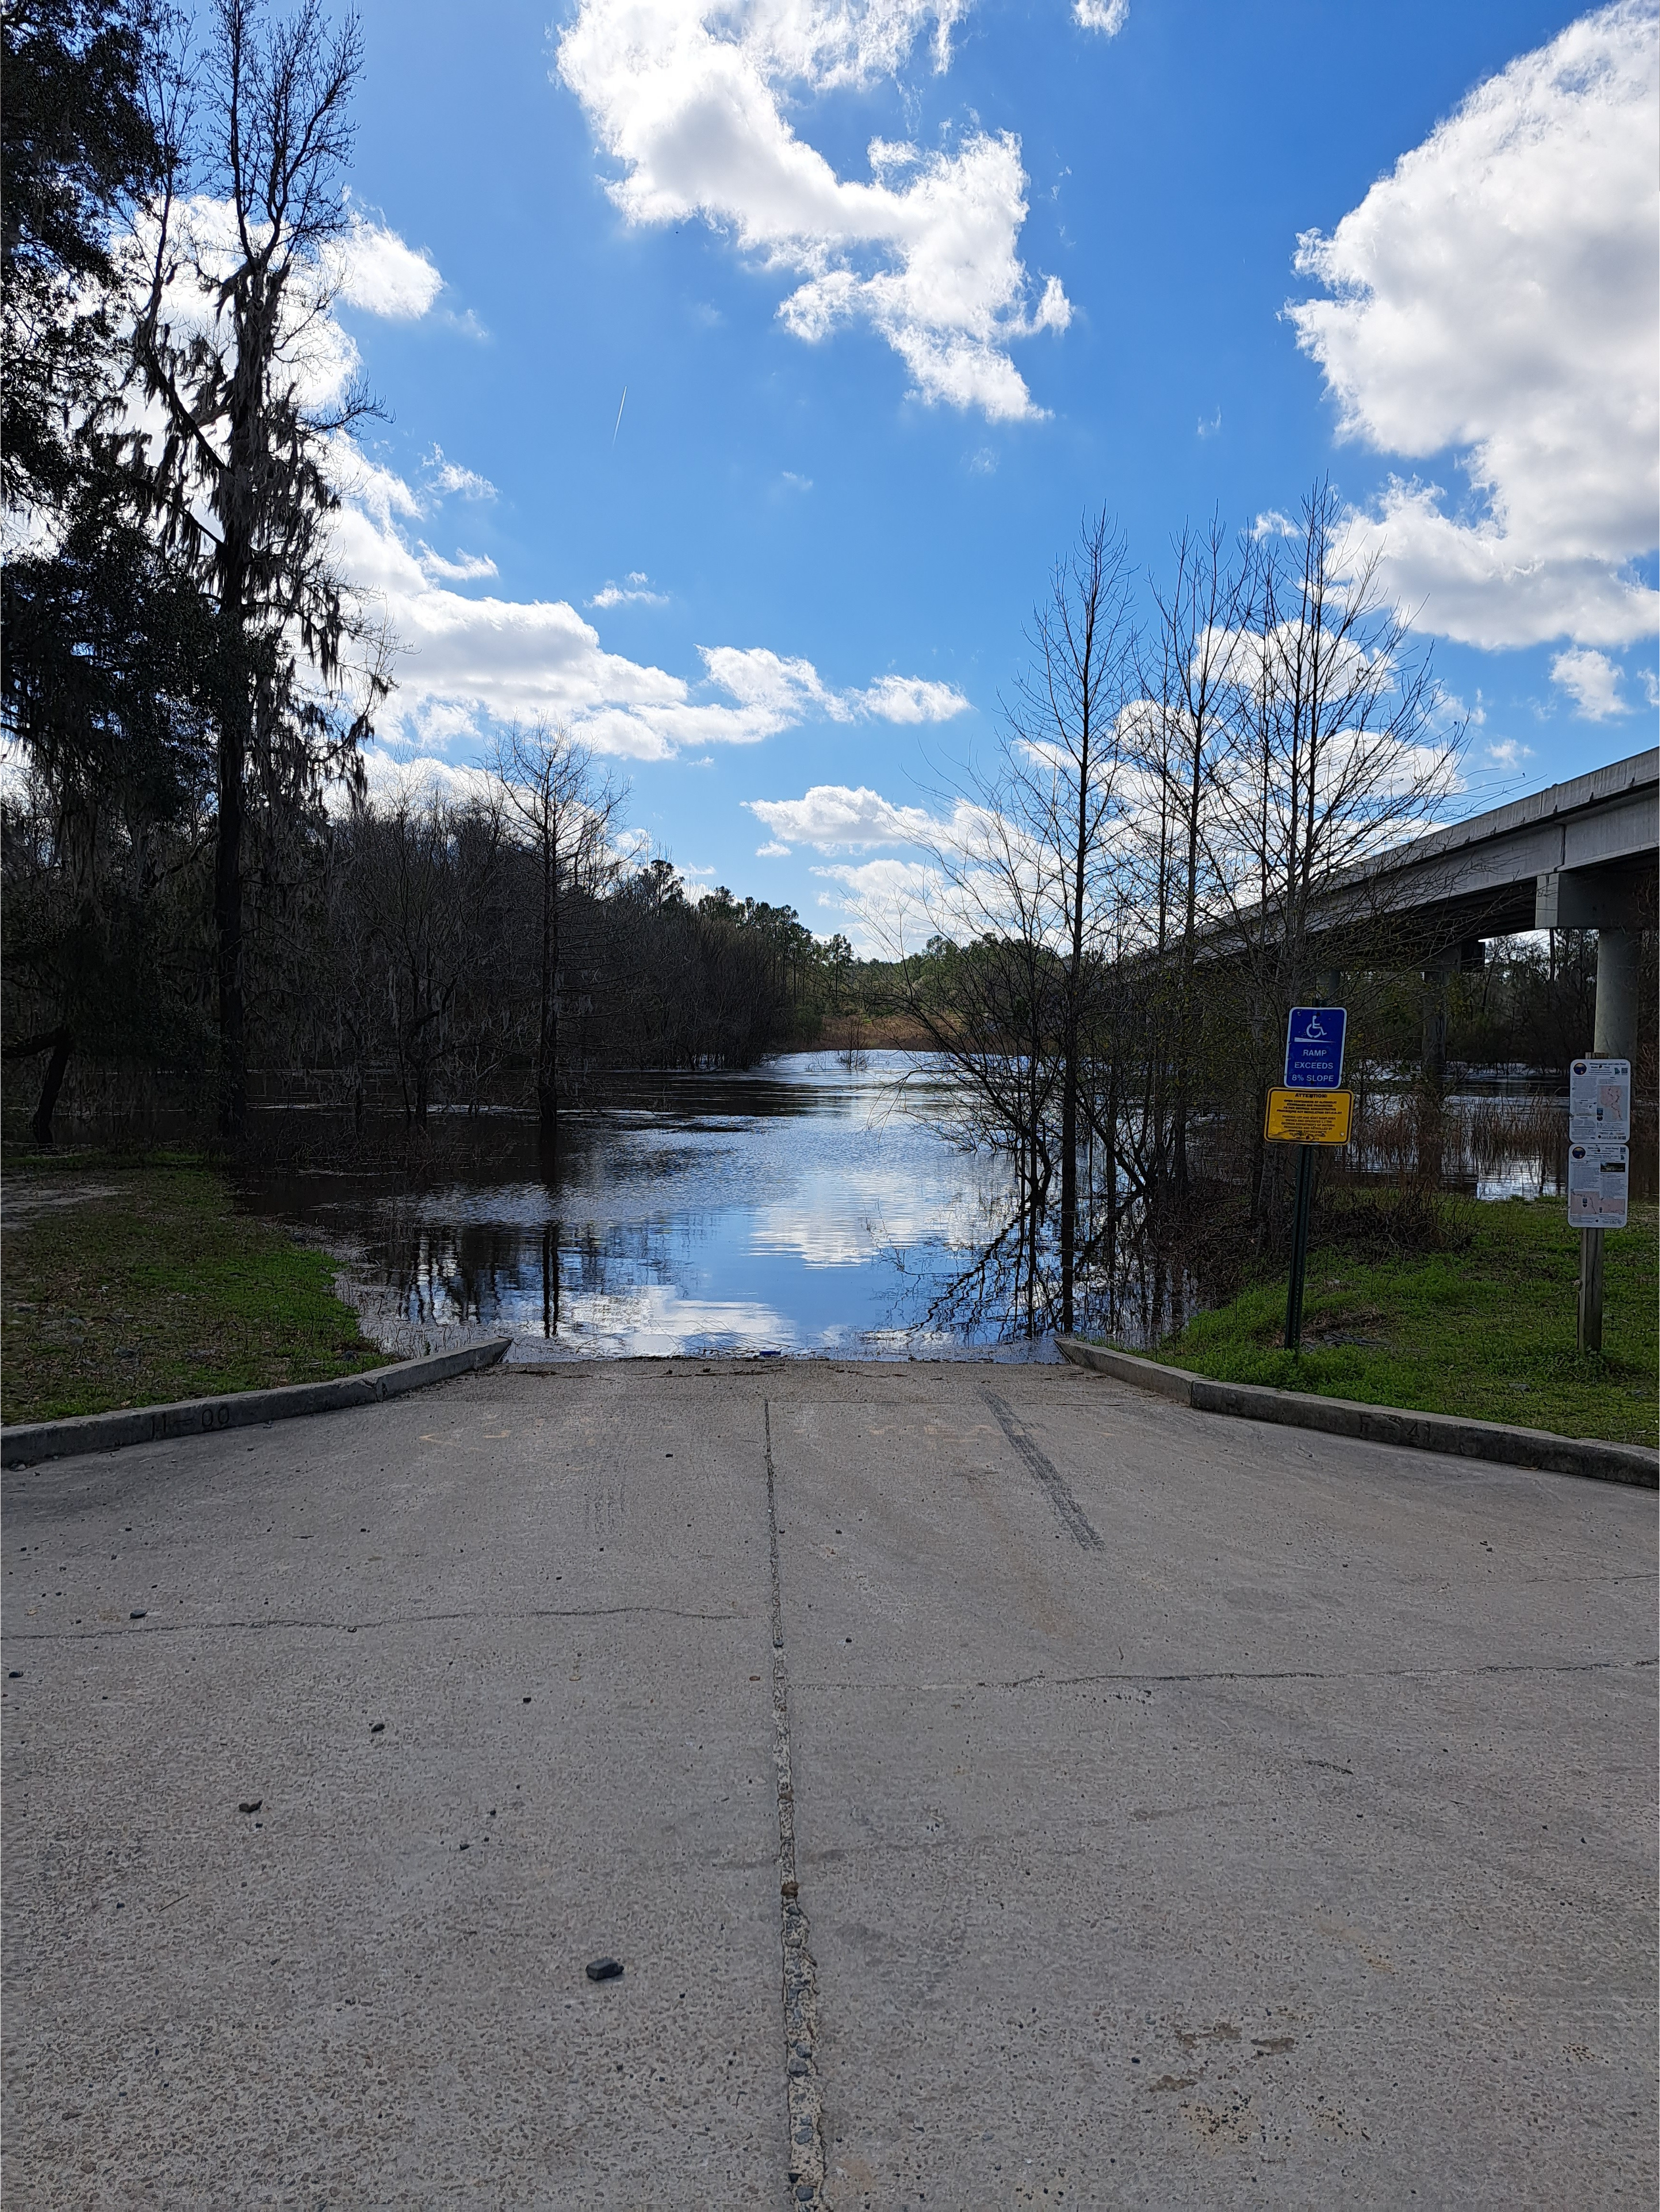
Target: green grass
[
  {"x": 1487, "y": 1330},
  {"x": 150, "y": 1286}
]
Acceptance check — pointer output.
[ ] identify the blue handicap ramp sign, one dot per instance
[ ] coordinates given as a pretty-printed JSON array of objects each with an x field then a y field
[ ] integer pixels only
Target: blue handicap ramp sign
[{"x": 1314, "y": 1047}]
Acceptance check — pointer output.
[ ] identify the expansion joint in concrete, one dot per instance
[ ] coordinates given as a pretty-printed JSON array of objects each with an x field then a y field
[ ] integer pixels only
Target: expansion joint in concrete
[{"x": 806, "y": 2128}]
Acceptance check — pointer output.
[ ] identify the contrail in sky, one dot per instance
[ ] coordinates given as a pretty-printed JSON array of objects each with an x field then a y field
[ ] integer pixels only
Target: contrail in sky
[{"x": 621, "y": 405}]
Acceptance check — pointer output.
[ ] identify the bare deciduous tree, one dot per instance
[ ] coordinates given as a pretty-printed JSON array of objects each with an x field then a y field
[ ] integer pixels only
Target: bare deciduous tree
[
  {"x": 1342, "y": 745},
  {"x": 1064, "y": 762},
  {"x": 565, "y": 811},
  {"x": 1183, "y": 738},
  {"x": 225, "y": 346}
]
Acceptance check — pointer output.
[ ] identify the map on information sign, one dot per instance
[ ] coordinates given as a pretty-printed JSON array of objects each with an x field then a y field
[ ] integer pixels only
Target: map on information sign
[
  {"x": 1599, "y": 1102},
  {"x": 1314, "y": 1047}
]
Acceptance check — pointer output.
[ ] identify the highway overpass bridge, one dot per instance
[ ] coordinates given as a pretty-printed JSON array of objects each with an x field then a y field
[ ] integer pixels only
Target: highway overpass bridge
[{"x": 1578, "y": 855}]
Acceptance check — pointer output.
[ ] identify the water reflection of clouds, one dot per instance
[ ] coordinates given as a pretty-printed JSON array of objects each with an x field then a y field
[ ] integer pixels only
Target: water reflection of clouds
[
  {"x": 795, "y": 1210},
  {"x": 847, "y": 1222},
  {"x": 650, "y": 1319}
]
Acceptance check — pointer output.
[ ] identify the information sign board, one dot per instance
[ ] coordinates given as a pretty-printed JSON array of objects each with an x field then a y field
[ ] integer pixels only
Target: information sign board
[
  {"x": 1599, "y": 1185},
  {"x": 1309, "y": 1117},
  {"x": 1599, "y": 1102},
  {"x": 1314, "y": 1047}
]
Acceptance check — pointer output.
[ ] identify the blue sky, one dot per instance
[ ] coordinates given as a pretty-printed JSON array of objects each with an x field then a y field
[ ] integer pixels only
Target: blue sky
[{"x": 870, "y": 393}]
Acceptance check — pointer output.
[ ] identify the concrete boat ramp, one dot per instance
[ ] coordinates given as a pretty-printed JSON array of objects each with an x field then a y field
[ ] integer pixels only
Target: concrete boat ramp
[{"x": 998, "y": 1788}]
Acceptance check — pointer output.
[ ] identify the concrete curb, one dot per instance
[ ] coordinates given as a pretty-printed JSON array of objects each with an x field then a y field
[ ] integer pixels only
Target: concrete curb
[
  {"x": 1377, "y": 1425},
  {"x": 30, "y": 1442}
]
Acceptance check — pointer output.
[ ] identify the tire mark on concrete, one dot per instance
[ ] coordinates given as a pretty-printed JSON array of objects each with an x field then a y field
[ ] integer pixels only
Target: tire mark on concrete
[
  {"x": 1049, "y": 1476},
  {"x": 805, "y": 2110}
]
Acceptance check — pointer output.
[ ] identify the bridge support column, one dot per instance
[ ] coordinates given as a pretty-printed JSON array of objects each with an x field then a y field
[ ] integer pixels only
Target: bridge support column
[
  {"x": 1617, "y": 951},
  {"x": 1432, "y": 1067},
  {"x": 1433, "y": 1040}
]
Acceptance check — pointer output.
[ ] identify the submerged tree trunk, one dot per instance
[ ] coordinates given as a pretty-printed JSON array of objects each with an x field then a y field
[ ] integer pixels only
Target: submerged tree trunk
[
  {"x": 547, "y": 1042},
  {"x": 60, "y": 1043}
]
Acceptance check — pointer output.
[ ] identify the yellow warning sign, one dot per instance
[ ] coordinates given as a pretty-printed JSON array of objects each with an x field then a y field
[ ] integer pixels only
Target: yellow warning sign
[{"x": 1309, "y": 1117}]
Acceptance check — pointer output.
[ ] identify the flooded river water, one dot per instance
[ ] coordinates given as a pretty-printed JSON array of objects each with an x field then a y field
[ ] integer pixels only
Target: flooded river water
[
  {"x": 803, "y": 1208},
  {"x": 807, "y": 1206}
]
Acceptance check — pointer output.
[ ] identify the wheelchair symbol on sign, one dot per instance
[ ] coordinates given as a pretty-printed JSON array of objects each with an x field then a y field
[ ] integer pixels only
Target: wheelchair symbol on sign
[{"x": 1315, "y": 1028}]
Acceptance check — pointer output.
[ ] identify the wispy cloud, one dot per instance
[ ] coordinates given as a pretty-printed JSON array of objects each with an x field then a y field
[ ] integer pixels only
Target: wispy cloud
[
  {"x": 635, "y": 593},
  {"x": 464, "y": 663},
  {"x": 465, "y": 569},
  {"x": 909, "y": 699},
  {"x": 450, "y": 481}
]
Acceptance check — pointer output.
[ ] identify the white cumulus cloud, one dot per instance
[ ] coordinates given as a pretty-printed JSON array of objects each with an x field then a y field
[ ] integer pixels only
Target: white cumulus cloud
[
  {"x": 910, "y": 699},
  {"x": 371, "y": 268},
  {"x": 1496, "y": 296},
  {"x": 1591, "y": 680},
  {"x": 1109, "y": 16},
  {"x": 461, "y": 663},
  {"x": 689, "y": 97},
  {"x": 832, "y": 815}
]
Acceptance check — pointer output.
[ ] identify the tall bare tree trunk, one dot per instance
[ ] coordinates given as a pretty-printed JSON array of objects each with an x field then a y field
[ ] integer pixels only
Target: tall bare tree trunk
[{"x": 233, "y": 716}]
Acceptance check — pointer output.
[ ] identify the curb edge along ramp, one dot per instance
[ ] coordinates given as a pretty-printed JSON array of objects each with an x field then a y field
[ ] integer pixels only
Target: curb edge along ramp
[
  {"x": 27, "y": 1443},
  {"x": 1379, "y": 1425}
]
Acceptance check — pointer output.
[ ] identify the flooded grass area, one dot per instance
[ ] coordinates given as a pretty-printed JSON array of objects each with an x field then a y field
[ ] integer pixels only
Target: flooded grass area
[
  {"x": 1489, "y": 1146},
  {"x": 129, "y": 1283}
]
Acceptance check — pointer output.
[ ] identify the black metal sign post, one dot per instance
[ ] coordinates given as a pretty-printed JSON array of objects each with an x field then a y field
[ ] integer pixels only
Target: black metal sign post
[
  {"x": 1311, "y": 1109},
  {"x": 1299, "y": 1246}
]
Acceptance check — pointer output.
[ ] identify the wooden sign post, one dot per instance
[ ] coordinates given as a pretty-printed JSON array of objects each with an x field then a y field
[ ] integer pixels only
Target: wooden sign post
[{"x": 1599, "y": 1174}]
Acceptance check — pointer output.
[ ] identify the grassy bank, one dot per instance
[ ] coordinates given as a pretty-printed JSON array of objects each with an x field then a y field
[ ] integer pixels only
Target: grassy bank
[
  {"x": 128, "y": 1284},
  {"x": 1485, "y": 1327}
]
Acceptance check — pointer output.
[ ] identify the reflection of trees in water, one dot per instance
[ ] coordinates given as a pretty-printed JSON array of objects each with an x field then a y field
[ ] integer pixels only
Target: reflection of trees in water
[
  {"x": 460, "y": 1273},
  {"x": 1146, "y": 1264},
  {"x": 444, "y": 1273},
  {"x": 1005, "y": 1286}
]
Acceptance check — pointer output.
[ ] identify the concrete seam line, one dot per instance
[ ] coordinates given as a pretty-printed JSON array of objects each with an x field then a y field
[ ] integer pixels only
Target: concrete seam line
[
  {"x": 1054, "y": 1484},
  {"x": 28, "y": 1443},
  {"x": 1595, "y": 1459},
  {"x": 803, "y": 2107}
]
